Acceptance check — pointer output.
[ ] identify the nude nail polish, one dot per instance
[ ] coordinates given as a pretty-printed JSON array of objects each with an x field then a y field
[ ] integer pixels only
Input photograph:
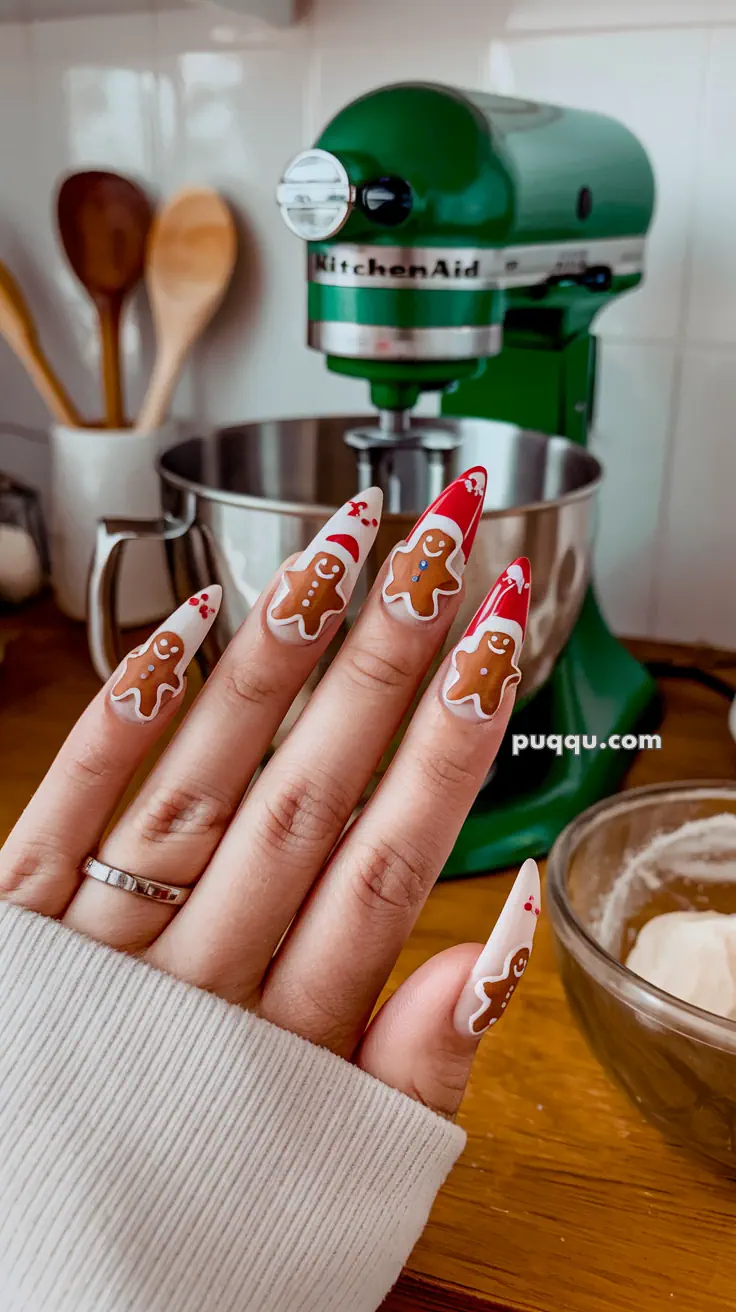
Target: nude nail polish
[
  {"x": 484, "y": 664},
  {"x": 154, "y": 672},
  {"x": 320, "y": 583},
  {"x": 504, "y": 959},
  {"x": 430, "y": 563}
]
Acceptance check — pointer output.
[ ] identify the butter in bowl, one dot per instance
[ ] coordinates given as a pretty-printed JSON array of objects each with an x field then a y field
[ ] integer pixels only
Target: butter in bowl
[{"x": 642, "y": 898}]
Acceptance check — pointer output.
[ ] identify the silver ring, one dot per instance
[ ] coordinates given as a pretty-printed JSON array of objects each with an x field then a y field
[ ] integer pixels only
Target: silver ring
[{"x": 170, "y": 894}]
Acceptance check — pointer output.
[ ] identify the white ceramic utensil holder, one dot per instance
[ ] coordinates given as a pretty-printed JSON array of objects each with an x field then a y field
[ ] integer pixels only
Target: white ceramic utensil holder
[{"x": 97, "y": 473}]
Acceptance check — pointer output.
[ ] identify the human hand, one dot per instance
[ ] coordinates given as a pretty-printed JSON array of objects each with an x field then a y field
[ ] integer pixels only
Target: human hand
[{"x": 291, "y": 915}]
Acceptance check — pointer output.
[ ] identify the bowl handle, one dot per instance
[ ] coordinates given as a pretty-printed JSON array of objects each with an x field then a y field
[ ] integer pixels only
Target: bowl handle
[{"x": 103, "y": 629}]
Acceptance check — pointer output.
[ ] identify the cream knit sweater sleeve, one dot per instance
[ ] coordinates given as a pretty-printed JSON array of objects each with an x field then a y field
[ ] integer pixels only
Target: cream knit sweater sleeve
[{"x": 164, "y": 1151}]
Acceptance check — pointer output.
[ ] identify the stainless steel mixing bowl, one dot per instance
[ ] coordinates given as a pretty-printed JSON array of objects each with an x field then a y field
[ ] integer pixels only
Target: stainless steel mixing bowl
[{"x": 237, "y": 503}]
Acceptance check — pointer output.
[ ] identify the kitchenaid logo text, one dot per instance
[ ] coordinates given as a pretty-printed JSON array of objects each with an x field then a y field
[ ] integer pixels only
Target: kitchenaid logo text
[
  {"x": 439, "y": 270},
  {"x": 473, "y": 268}
]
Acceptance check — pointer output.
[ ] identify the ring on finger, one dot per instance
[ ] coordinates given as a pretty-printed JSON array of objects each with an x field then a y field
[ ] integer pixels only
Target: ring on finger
[{"x": 170, "y": 894}]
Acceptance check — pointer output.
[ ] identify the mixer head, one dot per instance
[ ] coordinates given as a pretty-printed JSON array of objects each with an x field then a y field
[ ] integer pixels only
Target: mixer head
[{"x": 435, "y": 217}]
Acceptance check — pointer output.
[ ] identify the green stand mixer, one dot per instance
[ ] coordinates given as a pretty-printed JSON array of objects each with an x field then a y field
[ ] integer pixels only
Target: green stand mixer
[{"x": 463, "y": 243}]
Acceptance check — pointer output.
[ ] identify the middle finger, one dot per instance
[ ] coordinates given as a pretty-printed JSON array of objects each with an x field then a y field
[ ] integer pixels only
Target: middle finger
[{"x": 224, "y": 938}]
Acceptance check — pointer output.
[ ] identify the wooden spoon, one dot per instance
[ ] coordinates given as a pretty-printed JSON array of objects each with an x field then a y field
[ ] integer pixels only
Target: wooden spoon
[
  {"x": 19, "y": 330},
  {"x": 190, "y": 259},
  {"x": 103, "y": 223}
]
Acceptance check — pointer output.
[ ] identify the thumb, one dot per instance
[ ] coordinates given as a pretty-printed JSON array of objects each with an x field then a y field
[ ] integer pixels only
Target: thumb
[
  {"x": 424, "y": 1039},
  {"x": 412, "y": 1043}
]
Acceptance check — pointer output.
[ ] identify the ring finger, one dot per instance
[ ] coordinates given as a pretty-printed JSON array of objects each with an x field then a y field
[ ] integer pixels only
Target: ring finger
[{"x": 174, "y": 825}]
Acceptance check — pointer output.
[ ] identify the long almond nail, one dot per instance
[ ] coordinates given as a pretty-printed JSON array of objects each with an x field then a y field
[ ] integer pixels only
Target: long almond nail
[
  {"x": 154, "y": 673},
  {"x": 504, "y": 958},
  {"x": 319, "y": 584},
  {"x": 485, "y": 661},
  {"x": 430, "y": 564}
]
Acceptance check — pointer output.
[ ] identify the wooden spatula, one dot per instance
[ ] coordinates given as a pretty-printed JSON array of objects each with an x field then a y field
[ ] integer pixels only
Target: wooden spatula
[
  {"x": 103, "y": 223},
  {"x": 191, "y": 254},
  {"x": 19, "y": 330}
]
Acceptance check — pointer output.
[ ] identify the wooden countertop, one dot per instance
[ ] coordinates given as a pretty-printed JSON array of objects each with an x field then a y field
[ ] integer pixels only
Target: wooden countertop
[{"x": 564, "y": 1200}]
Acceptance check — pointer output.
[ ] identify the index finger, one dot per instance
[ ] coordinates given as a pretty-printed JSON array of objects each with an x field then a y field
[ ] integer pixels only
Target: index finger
[{"x": 341, "y": 947}]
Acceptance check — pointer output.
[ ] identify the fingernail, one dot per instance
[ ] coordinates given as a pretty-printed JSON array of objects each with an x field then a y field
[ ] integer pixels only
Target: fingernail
[
  {"x": 319, "y": 584},
  {"x": 430, "y": 563},
  {"x": 154, "y": 673},
  {"x": 504, "y": 958},
  {"x": 485, "y": 661}
]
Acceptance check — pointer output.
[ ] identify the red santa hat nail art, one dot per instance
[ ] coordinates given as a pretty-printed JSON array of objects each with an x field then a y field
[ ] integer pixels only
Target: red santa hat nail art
[
  {"x": 458, "y": 508},
  {"x": 350, "y": 533},
  {"x": 506, "y": 608},
  {"x": 347, "y": 542}
]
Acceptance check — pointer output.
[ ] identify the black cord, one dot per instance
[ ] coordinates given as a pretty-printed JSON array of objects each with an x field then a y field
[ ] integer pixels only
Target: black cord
[{"x": 664, "y": 670}]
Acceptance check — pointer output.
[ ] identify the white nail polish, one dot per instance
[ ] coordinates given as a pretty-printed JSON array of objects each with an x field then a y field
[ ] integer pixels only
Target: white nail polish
[
  {"x": 154, "y": 673},
  {"x": 504, "y": 959},
  {"x": 320, "y": 583}
]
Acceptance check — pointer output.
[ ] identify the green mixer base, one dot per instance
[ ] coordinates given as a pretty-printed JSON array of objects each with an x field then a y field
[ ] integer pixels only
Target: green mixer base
[{"x": 597, "y": 690}]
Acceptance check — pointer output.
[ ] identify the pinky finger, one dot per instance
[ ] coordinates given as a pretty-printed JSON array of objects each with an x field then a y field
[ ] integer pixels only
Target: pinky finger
[
  {"x": 66, "y": 817},
  {"x": 424, "y": 1039}
]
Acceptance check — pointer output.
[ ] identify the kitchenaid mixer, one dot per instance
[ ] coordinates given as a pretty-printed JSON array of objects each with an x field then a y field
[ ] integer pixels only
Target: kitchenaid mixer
[{"x": 463, "y": 244}]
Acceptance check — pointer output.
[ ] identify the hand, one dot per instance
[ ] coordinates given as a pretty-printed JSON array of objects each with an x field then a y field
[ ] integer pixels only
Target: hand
[{"x": 291, "y": 914}]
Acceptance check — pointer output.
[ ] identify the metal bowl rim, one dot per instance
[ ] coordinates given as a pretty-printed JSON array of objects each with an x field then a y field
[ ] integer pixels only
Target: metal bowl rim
[
  {"x": 299, "y": 509},
  {"x": 607, "y": 970}
]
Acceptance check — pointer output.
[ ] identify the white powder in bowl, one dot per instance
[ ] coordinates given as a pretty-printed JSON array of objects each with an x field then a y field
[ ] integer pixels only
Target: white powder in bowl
[
  {"x": 703, "y": 851},
  {"x": 688, "y": 953},
  {"x": 692, "y": 955}
]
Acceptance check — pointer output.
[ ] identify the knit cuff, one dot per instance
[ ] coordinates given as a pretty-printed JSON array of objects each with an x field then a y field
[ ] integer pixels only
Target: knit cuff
[{"x": 163, "y": 1151}]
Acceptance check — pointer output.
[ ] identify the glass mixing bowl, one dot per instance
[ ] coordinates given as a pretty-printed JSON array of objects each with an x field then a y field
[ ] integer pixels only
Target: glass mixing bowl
[{"x": 677, "y": 1062}]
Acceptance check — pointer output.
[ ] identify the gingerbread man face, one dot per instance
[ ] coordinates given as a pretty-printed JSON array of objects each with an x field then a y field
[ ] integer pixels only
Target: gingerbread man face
[
  {"x": 422, "y": 573},
  {"x": 151, "y": 673},
  {"x": 312, "y": 593},
  {"x": 485, "y": 672},
  {"x": 495, "y": 992}
]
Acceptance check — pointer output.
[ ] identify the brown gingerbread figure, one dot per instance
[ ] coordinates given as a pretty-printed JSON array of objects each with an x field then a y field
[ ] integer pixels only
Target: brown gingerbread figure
[
  {"x": 312, "y": 593},
  {"x": 320, "y": 582},
  {"x": 430, "y": 564},
  {"x": 421, "y": 574},
  {"x": 151, "y": 671},
  {"x": 487, "y": 671},
  {"x": 496, "y": 992}
]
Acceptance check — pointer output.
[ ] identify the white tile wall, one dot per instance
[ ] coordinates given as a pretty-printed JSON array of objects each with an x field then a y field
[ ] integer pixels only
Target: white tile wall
[
  {"x": 696, "y": 560},
  {"x": 205, "y": 94},
  {"x": 634, "y": 409}
]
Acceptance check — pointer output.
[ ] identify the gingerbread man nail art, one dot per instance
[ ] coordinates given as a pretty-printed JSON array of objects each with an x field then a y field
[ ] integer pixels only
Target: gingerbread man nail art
[
  {"x": 319, "y": 584},
  {"x": 313, "y": 593},
  {"x": 430, "y": 564},
  {"x": 496, "y": 991},
  {"x": 496, "y": 974},
  {"x": 484, "y": 664},
  {"x": 154, "y": 673}
]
